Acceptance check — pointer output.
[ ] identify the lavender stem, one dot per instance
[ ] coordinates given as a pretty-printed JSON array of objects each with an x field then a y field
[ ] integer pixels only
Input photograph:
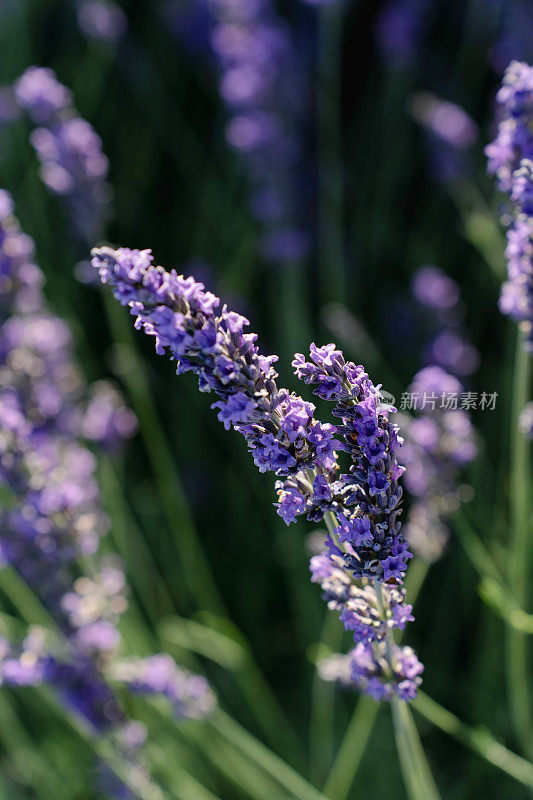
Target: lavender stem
[{"x": 519, "y": 555}]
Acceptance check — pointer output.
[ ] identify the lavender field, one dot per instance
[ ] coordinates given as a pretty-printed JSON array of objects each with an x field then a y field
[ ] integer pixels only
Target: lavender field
[{"x": 266, "y": 407}]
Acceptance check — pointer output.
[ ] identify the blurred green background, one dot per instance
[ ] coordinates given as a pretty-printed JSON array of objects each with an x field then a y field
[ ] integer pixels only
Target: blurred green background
[{"x": 183, "y": 484}]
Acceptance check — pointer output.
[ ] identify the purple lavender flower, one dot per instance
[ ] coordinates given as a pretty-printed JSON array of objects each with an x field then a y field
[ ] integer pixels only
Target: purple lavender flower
[
  {"x": 72, "y": 162},
  {"x": 279, "y": 427},
  {"x": 368, "y": 667},
  {"x": 367, "y": 499},
  {"x": 514, "y": 140},
  {"x": 366, "y": 553},
  {"x": 104, "y": 21},
  {"x": 358, "y": 606}
]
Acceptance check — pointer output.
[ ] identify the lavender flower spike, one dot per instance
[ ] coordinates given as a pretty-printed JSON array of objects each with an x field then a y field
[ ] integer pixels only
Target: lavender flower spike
[
  {"x": 510, "y": 158},
  {"x": 279, "y": 427},
  {"x": 363, "y": 567},
  {"x": 73, "y": 165}
]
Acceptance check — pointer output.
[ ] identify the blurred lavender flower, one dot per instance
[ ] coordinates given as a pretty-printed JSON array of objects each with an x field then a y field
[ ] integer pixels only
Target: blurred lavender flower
[
  {"x": 106, "y": 419},
  {"x": 102, "y": 20},
  {"x": 189, "y": 695},
  {"x": 525, "y": 422},
  {"x": 439, "y": 442},
  {"x": 72, "y": 162},
  {"x": 366, "y": 554},
  {"x": 509, "y": 159},
  {"x": 262, "y": 85},
  {"x": 515, "y": 38},
  {"x": 449, "y": 344},
  {"x": 450, "y": 132},
  {"x": 52, "y": 518},
  {"x": 399, "y": 27}
]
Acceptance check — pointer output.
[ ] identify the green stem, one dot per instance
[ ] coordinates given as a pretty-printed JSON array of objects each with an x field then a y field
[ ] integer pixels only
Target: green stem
[
  {"x": 346, "y": 764},
  {"x": 518, "y": 668},
  {"x": 479, "y": 740},
  {"x": 416, "y": 771},
  {"x": 351, "y": 751},
  {"x": 322, "y": 706}
]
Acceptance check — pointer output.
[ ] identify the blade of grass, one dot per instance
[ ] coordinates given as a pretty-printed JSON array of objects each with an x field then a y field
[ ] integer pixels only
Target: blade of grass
[
  {"x": 248, "y": 745},
  {"x": 479, "y": 740},
  {"x": 228, "y": 648},
  {"x": 504, "y": 604}
]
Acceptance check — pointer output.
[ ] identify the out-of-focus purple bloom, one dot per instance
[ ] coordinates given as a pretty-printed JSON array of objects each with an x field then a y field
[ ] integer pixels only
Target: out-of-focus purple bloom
[
  {"x": 106, "y": 419},
  {"x": 399, "y": 28},
  {"x": 70, "y": 151},
  {"x": 448, "y": 346},
  {"x": 39, "y": 92},
  {"x": 189, "y": 695},
  {"x": 102, "y": 20},
  {"x": 448, "y": 121},
  {"x": 434, "y": 289},
  {"x": 53, "y": 518},
  {"x": 450, "y": 132},
  {"x": 361, "y": 507},
  {"x": 525, "y": 422},
  {"x": 438, "y": 442},
  {"x": 263, "y": 87}
]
